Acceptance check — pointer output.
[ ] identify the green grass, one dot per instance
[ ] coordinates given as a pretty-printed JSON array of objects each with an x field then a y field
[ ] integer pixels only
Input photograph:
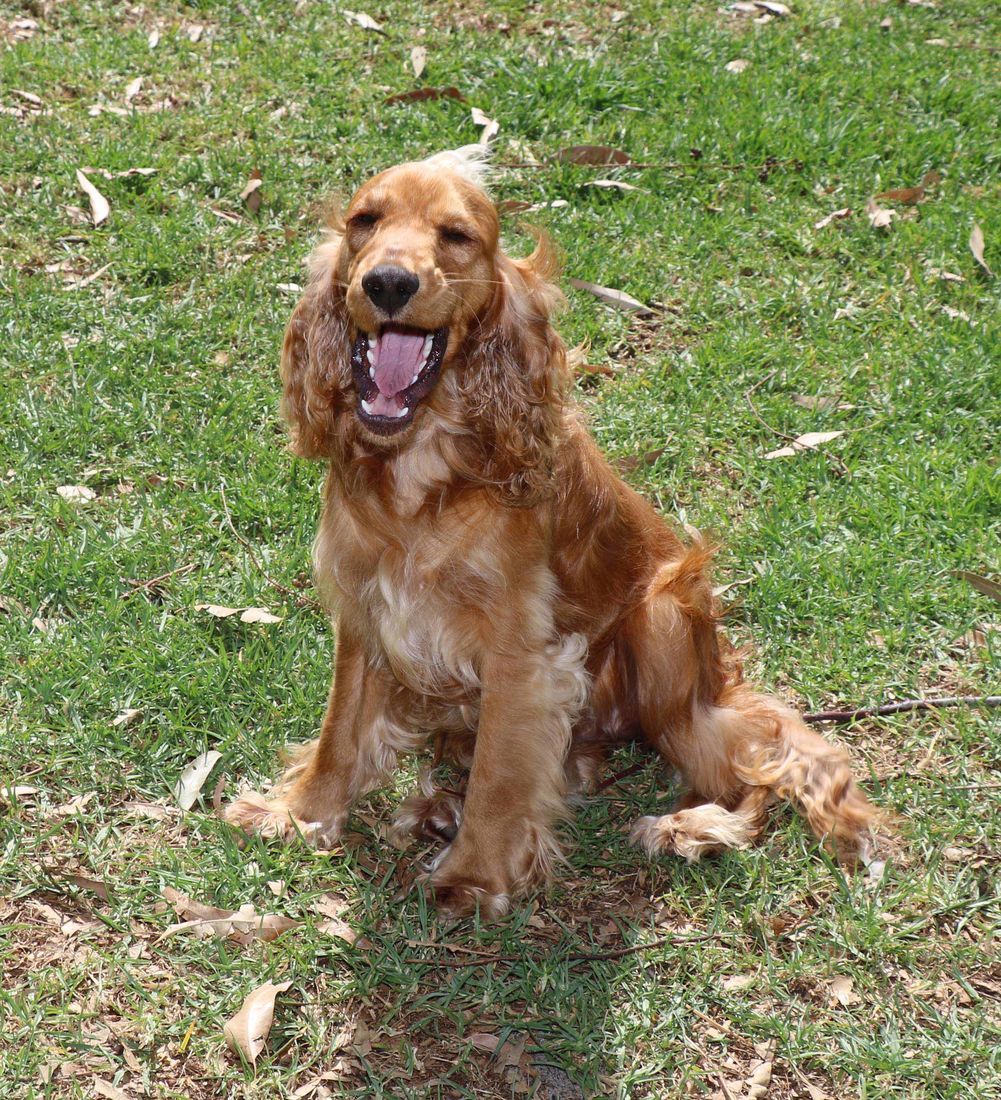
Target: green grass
[{"x": 155, "y": 385}]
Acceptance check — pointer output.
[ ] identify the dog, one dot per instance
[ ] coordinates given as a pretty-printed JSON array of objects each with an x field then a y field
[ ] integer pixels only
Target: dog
[{"x": 496, "y": 586}]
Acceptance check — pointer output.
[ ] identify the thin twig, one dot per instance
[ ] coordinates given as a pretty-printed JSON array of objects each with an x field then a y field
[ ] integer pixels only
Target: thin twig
[
  {"x": 574, "y": 957},
  {"x": 666, "y": 166},
  {"x": 903, "y": 707},
  {"x": 153, "y": 582},
  {"x": 783, "y": 435},
  {"x": 290, "y": 593}
]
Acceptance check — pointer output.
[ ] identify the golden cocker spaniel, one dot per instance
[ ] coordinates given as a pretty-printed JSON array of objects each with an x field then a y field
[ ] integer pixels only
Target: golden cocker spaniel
[{"x": 495, "y": 584}]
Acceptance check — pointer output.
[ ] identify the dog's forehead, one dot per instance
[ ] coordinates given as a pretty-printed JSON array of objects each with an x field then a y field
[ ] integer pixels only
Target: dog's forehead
[{"x": 434, "y": 194}]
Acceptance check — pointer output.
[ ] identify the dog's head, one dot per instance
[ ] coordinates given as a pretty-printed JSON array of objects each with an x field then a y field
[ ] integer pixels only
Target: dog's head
[{"x": 412, "y": 310}]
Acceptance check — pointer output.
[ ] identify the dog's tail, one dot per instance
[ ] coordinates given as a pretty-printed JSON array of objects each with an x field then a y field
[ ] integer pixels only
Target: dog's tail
[{"x": 780, "y": 753}]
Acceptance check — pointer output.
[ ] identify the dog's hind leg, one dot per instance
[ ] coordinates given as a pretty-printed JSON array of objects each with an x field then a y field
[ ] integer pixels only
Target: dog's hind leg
[{"x": 738, "y": 751}]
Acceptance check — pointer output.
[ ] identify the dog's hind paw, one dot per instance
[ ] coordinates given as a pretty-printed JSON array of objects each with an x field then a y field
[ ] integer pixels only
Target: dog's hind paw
[
  {"x": 253, "y": 813},
  {"x": 692, "y": 833}
]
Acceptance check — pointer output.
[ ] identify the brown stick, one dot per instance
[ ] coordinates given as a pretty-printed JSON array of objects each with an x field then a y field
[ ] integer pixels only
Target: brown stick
[
  {"x": 577, "y": 956},
  {"x": 903, "y": 707}
]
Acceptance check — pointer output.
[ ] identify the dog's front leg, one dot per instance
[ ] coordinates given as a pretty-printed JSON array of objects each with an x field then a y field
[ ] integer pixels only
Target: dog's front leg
[
  {"x": 354, "y": 749},
  {"x": 506, "y": 842}
]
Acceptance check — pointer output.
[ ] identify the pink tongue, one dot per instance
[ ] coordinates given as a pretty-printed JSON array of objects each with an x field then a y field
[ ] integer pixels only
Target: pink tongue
[{"x": 398, "y": 357}]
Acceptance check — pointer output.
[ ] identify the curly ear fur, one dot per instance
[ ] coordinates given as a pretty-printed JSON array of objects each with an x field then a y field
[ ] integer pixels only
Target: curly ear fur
[
  {"x": 515, "y": 379},
  {"x": 315, "y": 368}
]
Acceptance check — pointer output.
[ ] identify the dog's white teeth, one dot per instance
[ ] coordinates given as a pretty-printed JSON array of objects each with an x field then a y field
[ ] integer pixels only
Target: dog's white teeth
[
  {"x": 367, "y": 406},
  {"x": 402, "y": 412},
  {"x": 371, "y": 341},
  {"x": 371, "y": 372},
  {"x": 415, "y": 377},
  {"x": 370, "y": 356},
  {"x": 428, "y": 343}
]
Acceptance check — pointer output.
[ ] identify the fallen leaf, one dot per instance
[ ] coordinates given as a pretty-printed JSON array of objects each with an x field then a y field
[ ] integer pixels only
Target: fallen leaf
[
  {"x": 154, "y": 39},
  {"x": 984, "y": 585},
  {"x": 127, "y": 717},
  {"x": 94, "y": 885},
  {"x": 108, "y": 175},
  {"x": 362, "y": 19},
  {"x": 946, "y": 276},
  {"x": 76, "y": 494},
  {"x": 814, "y": 401},
  {"x": 76, "y": 805},
  {"x": 484, "y": 1040},
  {"x": 633, "y": 462},
  {"x": 417, "y": 94},
  {"x": 34, "y": 101},
  {"x": 886, "y": 24},
  {"x": 286, "y": 288},
  {"x": 955, "y": 314},
  {"x": 592, "y": 154},
  {"x": 251, "y": 194},
  {"x": 977, "y": 248},
  {"x": 99, "y": 206},
  {"x": 362, "y": 1039},
  {"x": 247, "y": 1031},
  {"x": 738, "y": 65},
  {"x": 879, "y": 217},
  {"x": 909, "y": 196},
  {"x": 189, "y": 786},
  {"x": 133, "y": 88},
  {"x": 617, "y": 298},
  {"x": 19, "y": 793},
  {"x": 836, "y": 215},
  {"x": 616, "y": 185},
  {"x": 418, "y": 60},
  {"x": 806, "y": 442},
  {"x": 513, "y": 206},
  {"x": 189, "y": 909},
  {"x": 772, "y": 7},
  {"x": 842, "y": 990},
  {"x": 108, "y": 1090},
  {"x": 217, "y": 610},
  {"x": 490, "y": 126},
  {"x": 259, "y": 615},
  {"x": 738, "y": 981},
  {"x": 760, "y": 1078}
]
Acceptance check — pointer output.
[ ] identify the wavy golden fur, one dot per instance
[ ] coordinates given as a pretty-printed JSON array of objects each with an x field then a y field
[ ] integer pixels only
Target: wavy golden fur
[{"x": 495, "y": 585}]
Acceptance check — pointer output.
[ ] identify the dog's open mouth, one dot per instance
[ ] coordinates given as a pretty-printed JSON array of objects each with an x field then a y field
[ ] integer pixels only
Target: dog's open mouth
[{"x": 393, "y": 372}]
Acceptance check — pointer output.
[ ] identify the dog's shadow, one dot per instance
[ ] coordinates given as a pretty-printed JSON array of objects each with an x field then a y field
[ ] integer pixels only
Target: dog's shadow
[{"x": 539, "y": 1002}]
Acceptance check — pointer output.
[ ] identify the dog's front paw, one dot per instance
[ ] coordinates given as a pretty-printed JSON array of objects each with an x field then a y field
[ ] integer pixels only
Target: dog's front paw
[
  {"x": 458, "y": 898},
  {"x": 253, "y": 813}
]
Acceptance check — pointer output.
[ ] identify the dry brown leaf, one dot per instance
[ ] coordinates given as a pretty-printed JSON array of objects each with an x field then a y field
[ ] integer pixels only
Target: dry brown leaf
[
  {"x": 133, "y": 88},
  {"x": 814, "y": 401},
  {"x": 945, "y": 276},
  {"x": 189, "y": 786},
  {"x": 879, "y": 217},
  {"x": 76, "y": 494},
  {"x": 633, "y": 462},
  {"x": 218, "y": 611},
  {"x": 617, "y": 298},
  {"x": 490, "y": 126},
  {"x": 418, "y": 60},
  {"x": 484, "y": 1040},
  {"x": 362, "y": 19},
  {"x": 251, "y": 194},
  {"x": 259, "y": 615},
  {"x": 362, "y": 1039},
  {"x": 808, "y": 441},
  {"x": 772, "y": 7},
  {"x": 738, "y": 65},
  {"x": 842, "y": 991},
  {"x": 189, "y": 909},
  {"x": 909, "y": 196},
  {"x": 99, "y": 206},
  {"x": 836, "y": 215},
  {"x": 592, "y": 154},
  {"x": 613, "y": 185},
  {"x": 956, "y": 314},
  {"x": 76, "y": 805},
  {"x": 154, "y": 39},
  {"x": 760, "y": 1079},
  {"x": 94, "y": 885},
  {"x": 738, "y": 981},
  {"x": 109, "y": 1091},
  {"x": 885, "y": 24},
  {"x": 194, "y": 31},
  {"x": 451, "y": 92},
  {"x": 977, "y": 248},
  {"x": 247, "y": 1031},
  {"x": 127, "y": 717},
  {"x": 984, "y": 585}
]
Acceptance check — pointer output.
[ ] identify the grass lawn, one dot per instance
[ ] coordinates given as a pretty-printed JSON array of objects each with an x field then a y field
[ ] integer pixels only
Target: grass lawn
[{"x": 139, "y": 363}]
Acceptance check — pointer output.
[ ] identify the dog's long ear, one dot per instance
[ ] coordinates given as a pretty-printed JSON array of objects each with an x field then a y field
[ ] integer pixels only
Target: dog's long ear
[
  {"x": 516, "y": 377},
  {"x": 315, "y": 361}
]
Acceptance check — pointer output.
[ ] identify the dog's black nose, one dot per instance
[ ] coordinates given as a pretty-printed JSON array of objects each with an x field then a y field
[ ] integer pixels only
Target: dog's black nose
[{"x": 390, "y": 288}]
